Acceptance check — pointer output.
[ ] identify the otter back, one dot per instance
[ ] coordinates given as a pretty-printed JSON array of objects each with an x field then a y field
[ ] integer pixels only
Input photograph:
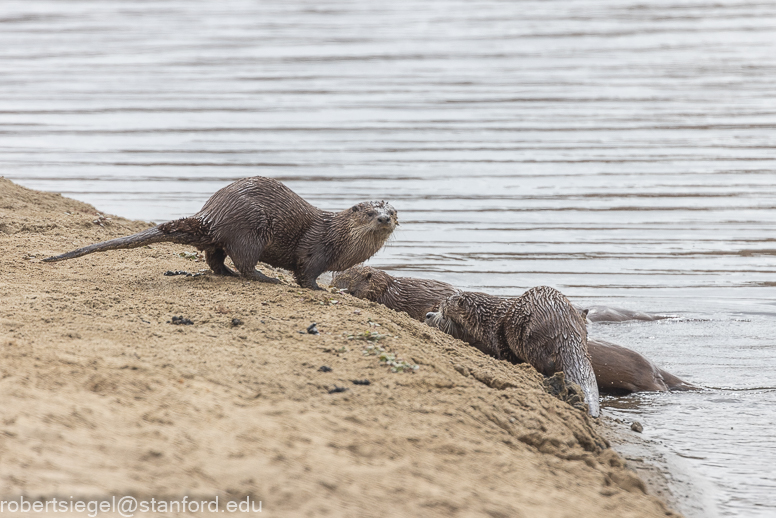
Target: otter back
[
  {"x": 540, "y": 327},
  {"x": 415, "y": 297}
]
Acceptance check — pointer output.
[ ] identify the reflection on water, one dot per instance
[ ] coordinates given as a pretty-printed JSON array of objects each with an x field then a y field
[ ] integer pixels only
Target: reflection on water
[{"x": 619, "y": 151}]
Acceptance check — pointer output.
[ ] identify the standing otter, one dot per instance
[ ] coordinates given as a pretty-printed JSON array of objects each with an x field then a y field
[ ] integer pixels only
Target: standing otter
[
  {"x": 621, "y": 370},
  {"x": 413, "y": 296},
  {"x": 260, "y": 219},
  {"x": 540, "y": 327}
]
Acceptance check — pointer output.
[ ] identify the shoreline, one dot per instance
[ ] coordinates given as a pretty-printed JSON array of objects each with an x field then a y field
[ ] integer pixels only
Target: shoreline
[
  {"x": 665, "y": 473},
  {"x": 108, "y": 397}
]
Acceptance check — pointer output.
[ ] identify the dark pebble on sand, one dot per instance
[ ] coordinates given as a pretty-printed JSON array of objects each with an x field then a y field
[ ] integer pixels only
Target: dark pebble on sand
[
  {"x": 337, "y": 389},
  {"x": 361, "y": 382},
  {"x": 237, "y": 322},
  {"x": 325, "y": 368},
  {"x": 312, "y": 329},
  {"x": 180, "y": 321},
  {"x": 636, "y": 427},
  {"x": 170, "y": 273}
]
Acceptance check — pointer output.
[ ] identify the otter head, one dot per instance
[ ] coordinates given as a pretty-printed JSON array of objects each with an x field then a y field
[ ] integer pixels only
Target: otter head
[
  {"x": 363, "y": 282},
  {"x": 458, "y": 316},
  {"x": 374, "y": 217},
  {"x": 363, "y": 230}
]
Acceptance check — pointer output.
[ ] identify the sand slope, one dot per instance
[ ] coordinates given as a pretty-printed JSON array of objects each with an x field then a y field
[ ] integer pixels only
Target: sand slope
[{"x": 101, "y": 396}]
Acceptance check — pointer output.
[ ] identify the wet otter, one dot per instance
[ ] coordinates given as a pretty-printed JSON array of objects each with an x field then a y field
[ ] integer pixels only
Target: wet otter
[
  {"x": 617, "y": 369},
  {"x": 413, "y": 296},
  {"x": 620, "y": 370},
  {"x": 610, "y": 314},
  {"x": 540, "y": 327},
  {"x": 260, "y": 219}
]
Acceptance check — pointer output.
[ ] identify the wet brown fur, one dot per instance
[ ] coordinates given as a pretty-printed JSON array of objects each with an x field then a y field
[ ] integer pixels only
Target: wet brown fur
[
  {"x": 260, "y": 219},
  {"x": 622, "y": 370},
  {"x": 415, "y": 297},
  {"x": 617, "y": 369},
  {"x": 609, "y": 314},
  {"x": 540, "y": 327}
]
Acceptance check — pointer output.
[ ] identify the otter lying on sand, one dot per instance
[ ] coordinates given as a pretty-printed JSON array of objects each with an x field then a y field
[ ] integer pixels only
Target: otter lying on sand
[
  {"x": 413, "y": 296},
  {"x": 617, "y": 369},
  {"x": 621, "y": 370},
  {"x": 540, "y": 327},
  {"x": 260, "y": 219}
]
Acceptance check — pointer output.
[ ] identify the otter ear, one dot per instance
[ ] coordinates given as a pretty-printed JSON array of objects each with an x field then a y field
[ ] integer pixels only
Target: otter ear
[
  {"x": 585, "y": 312},
  {"x": 369, "y": 275}
]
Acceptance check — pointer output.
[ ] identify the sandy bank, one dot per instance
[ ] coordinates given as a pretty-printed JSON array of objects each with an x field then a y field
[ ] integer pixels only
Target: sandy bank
[{"x": 102, "y": 396}]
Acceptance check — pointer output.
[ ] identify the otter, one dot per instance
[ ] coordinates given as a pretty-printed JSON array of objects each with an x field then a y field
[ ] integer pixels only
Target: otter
[
  {"x": 415, "y": 297},
  {"x": 620, "y": 370},
  {"x": 540, "y": 327},
  {"x": 260, "y": 219},
  {"x": 609, "y": 314}
]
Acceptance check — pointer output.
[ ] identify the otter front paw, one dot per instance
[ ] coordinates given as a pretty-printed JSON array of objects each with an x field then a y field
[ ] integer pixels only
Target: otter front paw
[{"x": 256, "y": 275}]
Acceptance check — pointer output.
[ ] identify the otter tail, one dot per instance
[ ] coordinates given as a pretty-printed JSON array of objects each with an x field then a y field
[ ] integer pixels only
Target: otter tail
[
  {"x": 173, "y": 231},
  {"x": 674, "y": 383}
]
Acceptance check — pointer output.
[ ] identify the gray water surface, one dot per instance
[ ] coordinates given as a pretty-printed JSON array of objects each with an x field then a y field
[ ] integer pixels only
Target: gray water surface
[{"x": 620, "y": 151}]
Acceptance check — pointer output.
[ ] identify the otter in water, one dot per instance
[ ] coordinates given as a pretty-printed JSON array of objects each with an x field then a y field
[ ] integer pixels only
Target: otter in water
[
  {"x": 620, "y": 370},
  {"x": 260, "y": 219},
  {"x": 617, "y": 369},
  {"x": 416, "y": 297},
  {"x": 540, "y": 327},
  {"x": 610, "y": 314}
]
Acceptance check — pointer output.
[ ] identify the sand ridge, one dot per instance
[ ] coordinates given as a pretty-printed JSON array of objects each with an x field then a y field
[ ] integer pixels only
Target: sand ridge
[{"x": 102, "y": 396}]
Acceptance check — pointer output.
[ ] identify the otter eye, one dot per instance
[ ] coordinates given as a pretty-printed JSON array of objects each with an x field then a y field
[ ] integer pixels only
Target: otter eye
[
  {"x": 391, "y": 212},
  {"x": 368, "y": 275},
  {"x": 355, "y": 209},
  {"x": 371, "y": 214}
]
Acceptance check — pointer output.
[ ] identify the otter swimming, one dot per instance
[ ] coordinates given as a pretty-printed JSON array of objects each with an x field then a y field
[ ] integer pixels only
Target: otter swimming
[
  {"x": 540, "y": 327},
  {"x": 416, "y": 297},
  {"x": 260, "y": 219},
  {"x": 621, "y": 370},
  {"x": 610, "y": 314}
]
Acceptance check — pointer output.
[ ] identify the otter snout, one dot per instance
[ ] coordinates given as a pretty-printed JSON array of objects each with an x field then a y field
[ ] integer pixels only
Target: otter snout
[{"x": 436, "y": 320}]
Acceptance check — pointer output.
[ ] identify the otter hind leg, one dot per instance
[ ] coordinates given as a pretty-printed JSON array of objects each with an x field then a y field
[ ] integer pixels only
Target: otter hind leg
[{"x": 215, "y": 260}]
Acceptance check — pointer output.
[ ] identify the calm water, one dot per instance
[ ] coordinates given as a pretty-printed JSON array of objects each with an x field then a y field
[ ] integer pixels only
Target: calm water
[{"x": 620, "y": 151}]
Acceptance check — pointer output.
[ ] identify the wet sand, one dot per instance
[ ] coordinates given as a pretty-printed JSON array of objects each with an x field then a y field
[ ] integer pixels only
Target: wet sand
[
  {"x": 665, "y": 474},
  {"x": 102, "y": 396}
]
